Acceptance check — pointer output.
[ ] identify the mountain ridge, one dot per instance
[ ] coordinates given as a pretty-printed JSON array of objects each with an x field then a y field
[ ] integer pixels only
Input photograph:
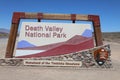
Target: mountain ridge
[
  {"x": 3, "y": 30},
  {"x": 72, "y": 41},
  {"x": 63, "y": 49}
]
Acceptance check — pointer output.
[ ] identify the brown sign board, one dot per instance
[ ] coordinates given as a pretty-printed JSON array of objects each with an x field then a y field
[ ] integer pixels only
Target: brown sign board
[{"x": 17, "y": 16}]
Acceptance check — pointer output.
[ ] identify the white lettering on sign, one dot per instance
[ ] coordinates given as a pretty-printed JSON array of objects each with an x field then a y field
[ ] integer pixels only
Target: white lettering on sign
[{"x": 53, "y": 63}]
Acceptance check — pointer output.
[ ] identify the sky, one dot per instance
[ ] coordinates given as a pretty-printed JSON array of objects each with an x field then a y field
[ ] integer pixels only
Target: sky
[{"x": 108, "y": 10}]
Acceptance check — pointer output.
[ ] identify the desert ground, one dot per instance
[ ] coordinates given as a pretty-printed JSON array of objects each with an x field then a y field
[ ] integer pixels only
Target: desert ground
[{"x": 60, "y": 73}]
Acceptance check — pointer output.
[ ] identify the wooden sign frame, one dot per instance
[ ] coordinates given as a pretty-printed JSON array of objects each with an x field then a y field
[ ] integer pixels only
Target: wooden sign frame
[{"x": 73, "y": 17}]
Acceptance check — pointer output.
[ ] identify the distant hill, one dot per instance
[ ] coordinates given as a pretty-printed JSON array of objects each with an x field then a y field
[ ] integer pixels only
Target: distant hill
[
  {"x": 4, "y": 32},
  {"x": 111, "y": 36}
]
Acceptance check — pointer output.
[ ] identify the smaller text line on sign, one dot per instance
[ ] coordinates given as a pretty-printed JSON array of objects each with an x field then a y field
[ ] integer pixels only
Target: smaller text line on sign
[{"x": 52, "y": 63}]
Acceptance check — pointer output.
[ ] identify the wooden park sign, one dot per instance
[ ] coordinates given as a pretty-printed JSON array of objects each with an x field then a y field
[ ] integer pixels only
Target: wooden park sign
[{"x": 57, "y": 30}]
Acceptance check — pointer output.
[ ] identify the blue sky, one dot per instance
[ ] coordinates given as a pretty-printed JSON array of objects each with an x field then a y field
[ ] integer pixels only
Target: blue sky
[{"x": 108, "y": 10}]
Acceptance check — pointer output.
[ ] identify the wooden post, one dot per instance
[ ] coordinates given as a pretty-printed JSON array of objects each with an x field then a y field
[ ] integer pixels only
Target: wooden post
[
  {"x": 97, "y": 30},
  {"x": 11, "y": 41},
  {"x": 13, "y": 34}
]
